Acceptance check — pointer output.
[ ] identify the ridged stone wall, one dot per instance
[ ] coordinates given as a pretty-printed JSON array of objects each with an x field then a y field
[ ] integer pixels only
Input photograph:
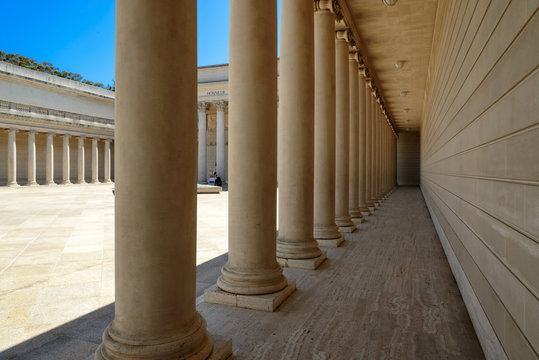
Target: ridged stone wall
[{"x": 480, "y": 164}]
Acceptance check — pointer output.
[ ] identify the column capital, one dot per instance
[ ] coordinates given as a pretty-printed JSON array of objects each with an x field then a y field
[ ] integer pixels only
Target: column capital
[
  {"x": 352, "y": 53},
  {"x": 32, "y": 132},
  {"x": 323, "y": 5},
  {"x": 67, "y": 136},
  {"x": 12, "y": 130},
  {"x": 50, "y": 133},
  {"x": 342, "y": 34},
  {"x": 81, "y": 137},
  {"x": 202, "y": 106},
  {"x": 220, "y": 105}
]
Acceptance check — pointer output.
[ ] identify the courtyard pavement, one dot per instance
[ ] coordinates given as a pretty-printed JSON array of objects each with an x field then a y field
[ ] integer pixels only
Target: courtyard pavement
[
  {"x": 57, "y": 253},
  {"x": 386, "y": 293}
]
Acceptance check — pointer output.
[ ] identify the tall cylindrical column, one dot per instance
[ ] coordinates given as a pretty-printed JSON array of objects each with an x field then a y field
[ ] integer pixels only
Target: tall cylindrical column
[
  {"x": 80, "y": 161},
  {"x": 12, "y": 157},
  {"x": 368, "y": 146},
  {"x": 342, "y": 131},
  {"x": 95, "y": 161},
  {"x": 252, "y": 267},
  {"x": 32, "y": 158},
  {"x": 373, "y": 149},
  {"x": 49, "y": 163},
  {"x": 107, "y": 162},
  {"x": 202, "y": 173},
  {"x": 325, "y": 229},
  {"x": 220, "y": 146},
  {"x": 362, "y": 106},
  {"x": 155, "y": 226},
  {"x": 353, "y": 179},
  {"x": 296, "y": 135},
  {"x": 65, "y": 161}
]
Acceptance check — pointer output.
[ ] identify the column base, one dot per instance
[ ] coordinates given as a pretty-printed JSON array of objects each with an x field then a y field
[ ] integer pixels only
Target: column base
[
  {"x": 13, "y": 184},
  {"x": 365, "y": 210},
  {"x": 52, "y": 183},
  {"x": 82, "y": 182},
  {"x": 308, "y": 264},
  {"x": 354, "y": 213},
  {"x": 33, "y": 183},
  {"x": 264, "y": 302},
  {"x": 95, "y": 182},
  {"x": 196, "y": 342},
  {"x": 347, "y": 229},
  {"x": 68, "y": 182},
  {"x": 332, "y": 243},
  {"x": 358, "y": 220},
  {"x": 372, "y": 209}
]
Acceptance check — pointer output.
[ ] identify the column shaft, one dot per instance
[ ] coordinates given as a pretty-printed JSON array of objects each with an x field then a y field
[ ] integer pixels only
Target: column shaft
[
  {"x": 325, "y": 228},
  {"x": 342, "y": 130},
  {"x": 12, "y": 157},
  {"x": 368, "y": 145},
  {"x": 353, "y": 179},
  {"x": 66, "y": 161},
  {"x": 220, "y": 147},
  {"x": 202, "y": 173},
  {"x": 95, "y": 161},
  {"x": 252, "y": 267},
  {"x": 362, "y": 147},
  {"x": 49, "y": 166},
  {"x": 32, "y": 158},
  {"x": 296, "y": 133},
  {"x": 80, "y": 161},
  {"x": 373, "y": 150},
  {"x": 155, "y": 203},
  {"x": 107, "y": 162}
]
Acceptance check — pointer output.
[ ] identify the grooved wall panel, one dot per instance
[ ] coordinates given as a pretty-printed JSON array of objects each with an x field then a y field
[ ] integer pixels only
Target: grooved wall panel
[
  {"x": 479, "y": 157},
  {"x": 408, "y": 158}
]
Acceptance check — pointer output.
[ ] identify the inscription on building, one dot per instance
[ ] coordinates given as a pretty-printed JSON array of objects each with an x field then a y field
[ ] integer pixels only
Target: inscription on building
[{"x": 216, "y": 92}]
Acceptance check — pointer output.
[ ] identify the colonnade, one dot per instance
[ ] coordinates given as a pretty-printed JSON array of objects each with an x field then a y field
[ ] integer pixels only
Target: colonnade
[
  {"x": 332, "y": 138},
  {"x": 49, "y": 159}
]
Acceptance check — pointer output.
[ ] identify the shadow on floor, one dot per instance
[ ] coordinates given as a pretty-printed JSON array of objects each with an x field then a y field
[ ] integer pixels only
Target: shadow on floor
[{"x": 79, "y": 338}]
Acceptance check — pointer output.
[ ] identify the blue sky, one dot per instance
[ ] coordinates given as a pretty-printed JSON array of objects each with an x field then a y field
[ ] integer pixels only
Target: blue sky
[{"x": 78, "y": 36}]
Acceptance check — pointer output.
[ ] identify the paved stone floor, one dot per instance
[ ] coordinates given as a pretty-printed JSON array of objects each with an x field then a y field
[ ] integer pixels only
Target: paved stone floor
[{"x": 387, "y": 293}]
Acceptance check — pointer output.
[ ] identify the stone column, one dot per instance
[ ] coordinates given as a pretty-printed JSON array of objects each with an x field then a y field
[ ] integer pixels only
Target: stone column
[
  {"x": 353, "y": 179},
  {"x": 368, "y": 146},
  {"x": 296, "y": 246},
  {"x": 376, "y": 184},
  {"x": 12, "y": 157},
  {"x": 155, "y": 238},
  {"x": 362, "y": 202},
  {"x": 252, "y": 268},
  {"x": 373, "y": 150},
  {"x": 326, "y": 231},
  {"x": 32, "y": 158},
  {"x": 65, "y": 161},
  {"x": 202, "y": 173},
  {"x": 107, "y": 162},
  {"x": 220, "y": 147},
  {"x": 379, "y": 157},
  {"x": 80, "y": 163},
  {"x": 49, "y": 166},
  {"x": 95, "y": 161},
  {"x": 342, "y": 132}
]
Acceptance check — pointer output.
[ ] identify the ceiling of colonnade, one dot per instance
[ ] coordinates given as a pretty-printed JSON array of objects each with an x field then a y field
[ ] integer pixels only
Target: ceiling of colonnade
[{"x": 389, "y": 34}]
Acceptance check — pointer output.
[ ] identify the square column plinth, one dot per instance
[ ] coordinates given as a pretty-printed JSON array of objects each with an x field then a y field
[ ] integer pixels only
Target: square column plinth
[
  {"x": 331, "y": 243},
  {"x": 264, "y": 302},
  {"x": 308, "y": 264},
  {"x": 347, "y": 229}
]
